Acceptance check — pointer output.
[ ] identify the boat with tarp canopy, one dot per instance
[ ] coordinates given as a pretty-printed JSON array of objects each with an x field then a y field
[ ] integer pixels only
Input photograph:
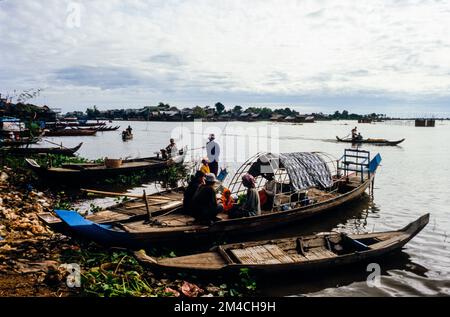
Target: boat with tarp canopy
[
  {"x": 14, "y": 133},
  {"x": 307, "y": 185}
]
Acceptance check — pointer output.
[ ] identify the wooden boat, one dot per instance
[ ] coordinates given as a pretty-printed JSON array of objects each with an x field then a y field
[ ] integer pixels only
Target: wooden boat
[
  {"x": 21, "y": 141},
  {"x": 294, "y": 254},
  {"x": 101, "y": 128},
  {"x": 76, "y": 174},
  {"x": 26, "y": 133},
  {"x": 134, "y": 209},
  {"x": 371, "y": 141},
  {"x": 127, "y": 136},
  {"x": 71, "y": 132},
  {"x": 92, "y": 124},
  {"x": 176, "y": 226},
  {"x": 107, "y": 129},
  {"x": 49, "y": 150}
]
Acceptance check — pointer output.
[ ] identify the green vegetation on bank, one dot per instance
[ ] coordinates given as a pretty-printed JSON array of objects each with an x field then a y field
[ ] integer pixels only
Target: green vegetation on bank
[
  {"x": 114, "y": 273},
  {"x": 169, "y": 177}
]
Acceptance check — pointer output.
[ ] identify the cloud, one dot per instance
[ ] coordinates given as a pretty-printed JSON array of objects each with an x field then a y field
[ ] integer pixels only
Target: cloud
[
  {"x": 189, "y": 51},
  {"x": 166, "y": 59},
  {"x": 102, "y": 77}
]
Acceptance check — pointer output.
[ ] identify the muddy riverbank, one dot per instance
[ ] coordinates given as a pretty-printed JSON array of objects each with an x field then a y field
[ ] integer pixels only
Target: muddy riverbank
[{"x": 34, "y": 261}]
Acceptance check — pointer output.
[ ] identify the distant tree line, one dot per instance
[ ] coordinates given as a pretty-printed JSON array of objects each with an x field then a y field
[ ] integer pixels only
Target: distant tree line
[
  {"x": 345, "y": 115},
  {"x": 164, "y": 111}
]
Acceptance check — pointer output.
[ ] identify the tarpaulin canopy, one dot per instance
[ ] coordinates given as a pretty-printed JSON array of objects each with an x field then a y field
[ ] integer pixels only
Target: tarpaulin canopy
[
  {"x": 305, "y": 169},
  {"x": 9, "y": 119}
]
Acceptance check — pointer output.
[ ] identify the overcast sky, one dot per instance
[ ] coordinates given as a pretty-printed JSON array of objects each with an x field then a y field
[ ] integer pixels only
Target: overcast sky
[{"x": 322, "y": 55}]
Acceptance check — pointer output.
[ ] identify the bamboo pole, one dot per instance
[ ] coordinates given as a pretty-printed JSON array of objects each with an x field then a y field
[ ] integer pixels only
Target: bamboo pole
[
  {"x": 149, "y": 214},
  {"x": 113, "y": 194},
  {"x": 174, "y": 203}
]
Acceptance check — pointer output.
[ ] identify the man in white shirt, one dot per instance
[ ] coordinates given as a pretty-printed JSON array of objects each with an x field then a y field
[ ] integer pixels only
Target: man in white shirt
[{"x": 213, "y": 151}]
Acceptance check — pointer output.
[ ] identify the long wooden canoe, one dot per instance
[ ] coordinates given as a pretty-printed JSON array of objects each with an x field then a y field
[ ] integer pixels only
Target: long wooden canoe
[
  {"x": 100, "y": 128},
  {"x": 371, "y": 141},
  {"x": 76, "y": 174},
  {"x": 107, "y": 129},
  {"x": 92, "y": 124},
  {"x": 132, "y": 210},
  {"x": 177, "y": 227},
  {"x": 71, "y": 132},
  {"x": 294, "y": 254},
  {"x": 44, "y": 150},
  {"x": 22, "y": 141}
]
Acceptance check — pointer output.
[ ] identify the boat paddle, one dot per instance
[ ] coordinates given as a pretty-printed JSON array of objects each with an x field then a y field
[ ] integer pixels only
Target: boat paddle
[
  {"x": 60, "y": 145},
  {"x": 113, "y": 194}
]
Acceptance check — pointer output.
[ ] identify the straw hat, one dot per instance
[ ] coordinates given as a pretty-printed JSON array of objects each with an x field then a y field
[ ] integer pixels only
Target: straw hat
[{"x": 210, "y": 178}]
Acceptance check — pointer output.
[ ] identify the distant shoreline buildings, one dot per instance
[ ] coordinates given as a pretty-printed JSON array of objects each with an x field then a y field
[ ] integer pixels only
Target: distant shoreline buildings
[{"x": 166, "y": 112}]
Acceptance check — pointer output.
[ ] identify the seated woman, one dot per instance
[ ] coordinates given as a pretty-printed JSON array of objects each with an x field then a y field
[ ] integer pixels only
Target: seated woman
[
  {"x": 191, "y": 190},
  {"x": 252, "y": 205},
  {"x": 205, "y": 166},
  {"x": 267, "y": 194},
  {"x": 205, "y": 203},
  {"x": 227, "y": 200}
]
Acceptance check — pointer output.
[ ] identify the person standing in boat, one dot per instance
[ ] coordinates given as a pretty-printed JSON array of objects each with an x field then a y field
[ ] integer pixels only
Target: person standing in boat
[
  {"x": 354, "y": 133},
  {"x": 129, "y": 130},
  {"x": 252, "y": 204},
  {"x": 171, "y": 149},
  {"x": 188, "y": 196},
  {"x": 213, "y": 151},
  {"x": 205, "y": 202}
]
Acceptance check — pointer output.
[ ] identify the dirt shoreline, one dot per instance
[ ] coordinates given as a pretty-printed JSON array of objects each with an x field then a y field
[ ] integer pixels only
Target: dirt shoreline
[
  {"x": 29, "y": 251},
  {"x": 32, "y": 257}
]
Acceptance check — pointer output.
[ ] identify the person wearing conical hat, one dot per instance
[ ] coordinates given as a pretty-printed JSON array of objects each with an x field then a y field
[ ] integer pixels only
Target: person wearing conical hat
[{"x": 205, "y": 202}]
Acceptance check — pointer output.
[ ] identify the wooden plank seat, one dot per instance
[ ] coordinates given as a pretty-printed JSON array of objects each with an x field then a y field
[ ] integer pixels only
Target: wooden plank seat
[
  {"x": 265, "y": 254},
  {"x": 209, "y": 260},
  {"x": 319, "y": 253},
  {"x": 168, "y": 223},
  {"x": 315, "y": 249}
]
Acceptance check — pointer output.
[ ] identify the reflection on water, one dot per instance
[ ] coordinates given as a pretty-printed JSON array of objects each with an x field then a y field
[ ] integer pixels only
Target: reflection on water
[
  {"x": 315, "y": 282},
  {"x": 414, "y": 179}
]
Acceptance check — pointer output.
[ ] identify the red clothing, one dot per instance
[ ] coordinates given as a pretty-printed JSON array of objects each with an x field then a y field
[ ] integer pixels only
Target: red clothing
[{"x": 227, "y": 200}]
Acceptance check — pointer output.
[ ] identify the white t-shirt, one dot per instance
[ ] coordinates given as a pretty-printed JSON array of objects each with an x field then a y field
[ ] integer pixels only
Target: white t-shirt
[{"x": 213, "y": 151}]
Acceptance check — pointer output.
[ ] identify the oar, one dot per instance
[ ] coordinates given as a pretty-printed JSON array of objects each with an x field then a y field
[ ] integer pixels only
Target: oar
[
  {"x": 346, "y": 136},
  {"x": 60, "y": 145},
  {"x": 147, "y": 207},
  {"x": 200, "y": 148},
  {"x": 110, "y": 194},
  {"x": 170, "y": 204}
]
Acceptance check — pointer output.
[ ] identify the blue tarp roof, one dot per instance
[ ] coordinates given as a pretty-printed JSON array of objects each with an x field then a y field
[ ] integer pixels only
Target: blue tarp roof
[
  {"x": 305, "y": 169},
  {"x": 9, "y": 119}
]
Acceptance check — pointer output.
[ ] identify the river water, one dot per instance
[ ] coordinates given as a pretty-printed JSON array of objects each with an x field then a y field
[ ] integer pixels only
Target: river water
[{"x": 414, "y": 179}]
